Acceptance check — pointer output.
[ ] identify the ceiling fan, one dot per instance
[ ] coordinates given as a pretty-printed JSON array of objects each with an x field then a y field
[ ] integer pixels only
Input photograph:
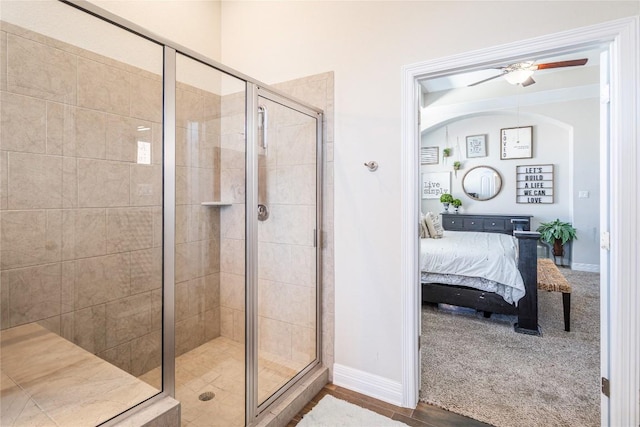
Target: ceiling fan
[{"x": 521, "y": 72}]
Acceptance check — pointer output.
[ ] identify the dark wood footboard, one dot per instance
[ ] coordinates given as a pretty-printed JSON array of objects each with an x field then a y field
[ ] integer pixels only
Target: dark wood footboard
[
  {"x": 527, "y": 309},
  {"x": 528, "y": 266}
]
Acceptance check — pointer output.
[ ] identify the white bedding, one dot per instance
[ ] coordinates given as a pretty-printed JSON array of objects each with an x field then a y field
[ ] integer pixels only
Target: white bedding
[{"x": 492, "y": 256}]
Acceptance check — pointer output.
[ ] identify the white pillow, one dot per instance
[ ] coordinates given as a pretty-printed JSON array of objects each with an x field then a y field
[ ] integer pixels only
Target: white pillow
[
  {"x": 433, "y": 224},
  {"x": 437, "y": 224},
  {"x": 424, "y": 230}
]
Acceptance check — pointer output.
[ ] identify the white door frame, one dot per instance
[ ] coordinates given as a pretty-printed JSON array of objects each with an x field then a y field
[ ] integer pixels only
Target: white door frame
[{"x": 621, "y": 348}]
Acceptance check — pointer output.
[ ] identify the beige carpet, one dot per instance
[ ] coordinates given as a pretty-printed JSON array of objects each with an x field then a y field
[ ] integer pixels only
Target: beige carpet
[{"x": 482, "y": 369}]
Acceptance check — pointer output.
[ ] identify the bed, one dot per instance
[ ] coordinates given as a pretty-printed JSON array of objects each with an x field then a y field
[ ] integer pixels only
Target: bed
[{"x": 484, "y": 262}]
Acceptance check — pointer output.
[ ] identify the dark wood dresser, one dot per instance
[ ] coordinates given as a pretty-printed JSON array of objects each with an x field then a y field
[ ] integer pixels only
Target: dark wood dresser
[{"x": 488, "y": 223}]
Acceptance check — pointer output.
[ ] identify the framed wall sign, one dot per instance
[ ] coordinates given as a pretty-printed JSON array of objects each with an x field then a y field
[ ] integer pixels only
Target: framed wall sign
[
  {"x": 428, "y": 155},
  {"x": 516, "y": 143},
  {"x": 435, "y": 184},
  {"x": 476, "y": 146},
  {"x": 534, "y": 184}
]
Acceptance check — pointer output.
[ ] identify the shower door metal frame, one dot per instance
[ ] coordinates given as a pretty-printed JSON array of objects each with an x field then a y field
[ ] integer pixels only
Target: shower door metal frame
[
  {"x": 169, "y": 79},
  {"x": 254, "y": 88},
  {"x": 254, "y": 409}
]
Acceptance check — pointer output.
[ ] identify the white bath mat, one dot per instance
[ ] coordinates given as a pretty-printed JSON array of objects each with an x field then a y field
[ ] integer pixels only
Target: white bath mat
[{"x": 332, "y": 412}]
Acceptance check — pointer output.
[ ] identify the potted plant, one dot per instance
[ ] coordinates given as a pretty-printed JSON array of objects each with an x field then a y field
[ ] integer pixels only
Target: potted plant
[
  {"x": 456, "y": 204},
  {"x": 446, "y": 152},
  {"x": 556, "y": 233},
  {"x": 445, "y": 199},
  {"x": 456, "y": 167}
]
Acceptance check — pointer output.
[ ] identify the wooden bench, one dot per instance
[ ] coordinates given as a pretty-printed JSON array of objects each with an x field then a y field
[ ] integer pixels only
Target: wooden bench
[{"x": 550, "y": 279}]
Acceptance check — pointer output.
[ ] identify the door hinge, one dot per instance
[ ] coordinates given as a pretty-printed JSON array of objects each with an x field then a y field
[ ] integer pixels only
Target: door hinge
[
  {"x": 605, "y": 240},
  {"x": 605, "y": 387}
]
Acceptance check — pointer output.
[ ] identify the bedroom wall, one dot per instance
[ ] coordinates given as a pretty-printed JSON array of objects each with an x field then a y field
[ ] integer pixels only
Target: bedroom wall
[
  {"x": 366, "y": 44},
  {"x": 552, "y": 145},
  {"x": 583, "y": 117},
  {"x": 565, "y": 134}
]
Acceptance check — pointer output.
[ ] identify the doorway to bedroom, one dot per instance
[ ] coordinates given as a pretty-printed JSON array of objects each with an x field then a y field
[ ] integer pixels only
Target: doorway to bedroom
[
  {"x": 463, "y": 154},
  {"x": 617, "y": 183}
]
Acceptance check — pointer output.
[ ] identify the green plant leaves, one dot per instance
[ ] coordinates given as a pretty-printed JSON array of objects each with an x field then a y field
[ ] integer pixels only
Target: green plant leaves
[
  {"x": 550, "y": 231},
  {"x": 446, "y": 198}
]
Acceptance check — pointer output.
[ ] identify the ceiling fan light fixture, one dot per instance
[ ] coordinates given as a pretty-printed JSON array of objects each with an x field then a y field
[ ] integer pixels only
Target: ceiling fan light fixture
[
  {"x": 518, "y": 76},
  {"x": 527, "y": 82}
]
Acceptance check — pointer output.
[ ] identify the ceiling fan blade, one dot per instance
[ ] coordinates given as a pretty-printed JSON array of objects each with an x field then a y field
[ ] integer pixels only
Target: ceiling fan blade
[
  {"x": 527, "y": 82},
  {"x": 486, "y": 80},
  {"x": 560, "y": 64}
]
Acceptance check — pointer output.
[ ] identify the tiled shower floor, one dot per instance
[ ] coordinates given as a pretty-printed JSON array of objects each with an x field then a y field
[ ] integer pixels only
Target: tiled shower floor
[{"x": 218, "y": 366}]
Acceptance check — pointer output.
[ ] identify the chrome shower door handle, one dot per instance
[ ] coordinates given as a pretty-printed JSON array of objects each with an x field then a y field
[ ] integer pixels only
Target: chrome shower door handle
[
  {"x": 262, "y": 111},
  {"x": 263, "y": 212}
]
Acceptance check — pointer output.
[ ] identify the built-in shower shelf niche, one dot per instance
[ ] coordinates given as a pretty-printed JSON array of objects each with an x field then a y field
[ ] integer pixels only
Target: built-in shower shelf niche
[{"x": 214, "y": 204}]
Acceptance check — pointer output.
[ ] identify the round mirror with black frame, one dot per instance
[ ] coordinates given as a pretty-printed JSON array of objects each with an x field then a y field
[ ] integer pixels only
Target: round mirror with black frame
[{"x": 482, "y": 183}]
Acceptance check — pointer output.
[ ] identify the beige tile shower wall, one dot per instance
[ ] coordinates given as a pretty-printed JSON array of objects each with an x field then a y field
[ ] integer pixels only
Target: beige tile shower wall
[
  {"x": 80, "y": 246},
  {"x": 81, "y": 220},
  {"x": 197, "y": 227},
  {"x": 232, "y": 191}
]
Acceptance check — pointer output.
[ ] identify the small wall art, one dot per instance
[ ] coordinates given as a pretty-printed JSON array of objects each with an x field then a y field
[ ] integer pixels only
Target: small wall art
[
  {"x": 476, "y": 146},
  {"x": 516, "y": 143},
  {"x": 428, "y": 155},
  {"x": 435, "y": 184}
]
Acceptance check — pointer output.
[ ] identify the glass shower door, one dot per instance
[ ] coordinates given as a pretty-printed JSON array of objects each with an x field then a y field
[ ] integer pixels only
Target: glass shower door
[
  {"x": 287, "y": 243},
  {"x": 209, "y": 245}
]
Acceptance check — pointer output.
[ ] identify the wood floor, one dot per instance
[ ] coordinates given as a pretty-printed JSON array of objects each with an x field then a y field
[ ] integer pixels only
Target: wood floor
[{"x": 423, "y": 416}]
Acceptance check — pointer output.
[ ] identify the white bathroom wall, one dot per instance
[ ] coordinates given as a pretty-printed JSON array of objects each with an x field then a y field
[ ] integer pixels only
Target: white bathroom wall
[
  {"x": 60, "y": 22},
  {"x": 194, "y": 24},
  {"x": 366, "y": 44}
]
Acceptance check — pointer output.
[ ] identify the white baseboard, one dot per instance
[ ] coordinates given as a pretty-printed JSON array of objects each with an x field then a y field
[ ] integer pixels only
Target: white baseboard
[
  {"x": 369, "y": 384},
  {"x": 578, "y": 266}
]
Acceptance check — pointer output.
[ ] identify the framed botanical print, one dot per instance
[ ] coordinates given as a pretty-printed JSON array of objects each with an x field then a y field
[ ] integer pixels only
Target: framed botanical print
[
  {"x": 476, "y": 146},
  {"x": 516, "y": 143}
]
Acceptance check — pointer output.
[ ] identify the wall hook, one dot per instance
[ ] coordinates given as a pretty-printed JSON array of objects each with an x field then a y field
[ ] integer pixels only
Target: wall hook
[{"x": 372, "y": 165}]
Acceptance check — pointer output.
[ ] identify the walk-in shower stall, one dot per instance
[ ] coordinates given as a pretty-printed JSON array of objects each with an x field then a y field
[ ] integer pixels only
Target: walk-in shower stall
[{"x": 160, "y": 227}]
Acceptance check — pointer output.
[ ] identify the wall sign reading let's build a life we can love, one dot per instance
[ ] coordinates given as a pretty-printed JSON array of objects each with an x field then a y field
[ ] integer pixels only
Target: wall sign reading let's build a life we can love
[{"x": 534, "y": 184}]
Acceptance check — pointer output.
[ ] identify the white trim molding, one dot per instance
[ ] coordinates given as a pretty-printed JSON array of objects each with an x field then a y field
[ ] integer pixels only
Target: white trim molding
[
  {"x": 624, "y": 185},
  {"x": 591, "y": 268},
  {"x": 369, "y": 384},
  {"x": 622, "y": 347}
]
